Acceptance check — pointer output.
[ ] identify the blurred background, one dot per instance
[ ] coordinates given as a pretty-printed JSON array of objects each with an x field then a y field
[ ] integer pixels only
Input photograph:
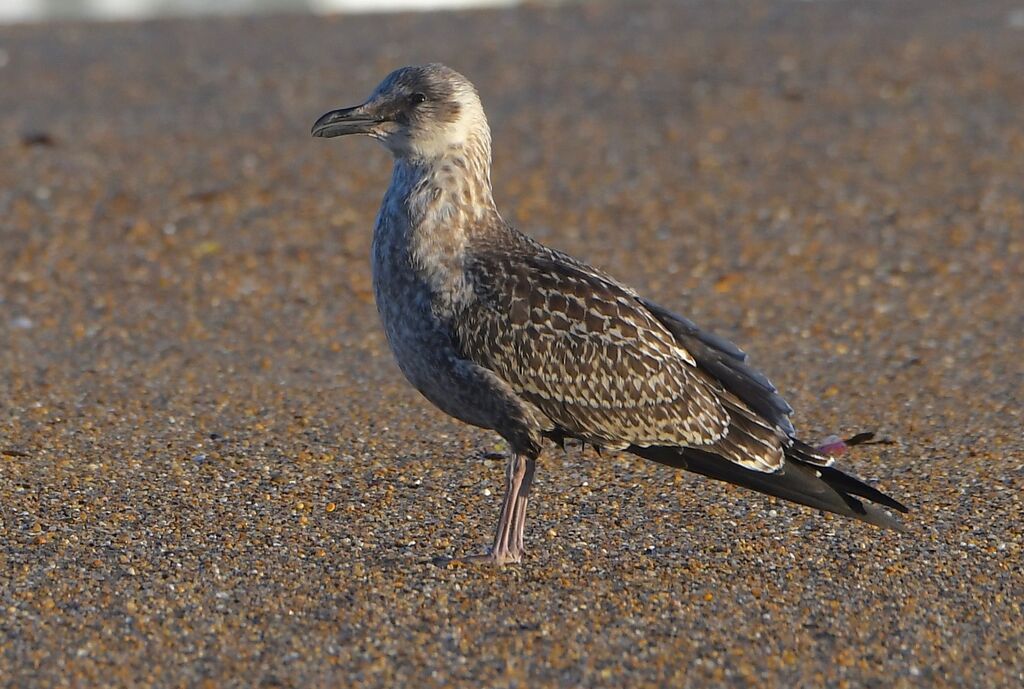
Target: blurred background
[{"x": 41, "y": 10}]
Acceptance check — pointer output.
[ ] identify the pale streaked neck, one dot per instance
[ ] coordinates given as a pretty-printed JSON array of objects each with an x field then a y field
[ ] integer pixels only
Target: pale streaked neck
[{"x": 453, "y": 185}]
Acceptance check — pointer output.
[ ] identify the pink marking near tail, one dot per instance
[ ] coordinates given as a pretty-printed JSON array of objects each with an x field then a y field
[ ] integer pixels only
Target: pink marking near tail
[{"x": 834, "y": 446}]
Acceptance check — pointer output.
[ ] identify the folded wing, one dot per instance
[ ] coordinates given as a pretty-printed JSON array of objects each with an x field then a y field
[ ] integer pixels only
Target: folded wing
[{"x": 611, "y": 369}]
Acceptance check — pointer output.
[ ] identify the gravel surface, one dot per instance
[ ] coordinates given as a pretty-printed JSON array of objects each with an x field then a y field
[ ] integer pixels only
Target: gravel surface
[{"x": 212, "y": 474}]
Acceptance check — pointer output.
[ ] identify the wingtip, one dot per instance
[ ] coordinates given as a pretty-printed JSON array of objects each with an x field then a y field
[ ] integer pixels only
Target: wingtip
[{"x": 876, "y": 516}]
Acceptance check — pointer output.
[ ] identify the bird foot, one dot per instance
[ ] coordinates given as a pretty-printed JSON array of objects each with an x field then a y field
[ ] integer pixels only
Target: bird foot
[
  {"x": 490, "y": 558},
  {"x": 495, "y": 558},
  {"x": 834, "y": 445}
]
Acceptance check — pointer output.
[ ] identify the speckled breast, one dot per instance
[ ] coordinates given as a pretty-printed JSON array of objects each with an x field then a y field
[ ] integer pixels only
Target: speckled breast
[{"x": 420, "y": 340}]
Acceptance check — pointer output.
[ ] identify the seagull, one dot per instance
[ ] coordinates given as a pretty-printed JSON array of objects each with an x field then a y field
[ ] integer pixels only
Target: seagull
[{"x": 504, "y": 333}]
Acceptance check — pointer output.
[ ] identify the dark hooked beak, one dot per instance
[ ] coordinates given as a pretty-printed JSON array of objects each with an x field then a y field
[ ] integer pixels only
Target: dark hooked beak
[{"x": 345, "y": 121}]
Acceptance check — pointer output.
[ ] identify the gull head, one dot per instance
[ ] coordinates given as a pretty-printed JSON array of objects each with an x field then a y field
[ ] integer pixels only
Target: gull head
[{"x": 419, "y": 112}]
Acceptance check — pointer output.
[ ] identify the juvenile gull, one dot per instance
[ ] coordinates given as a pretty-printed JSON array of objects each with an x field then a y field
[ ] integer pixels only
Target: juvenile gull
[{"x": 504, "y": 333}]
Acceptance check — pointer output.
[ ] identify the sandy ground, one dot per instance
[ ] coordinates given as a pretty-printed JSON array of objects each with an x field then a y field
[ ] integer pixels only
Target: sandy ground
[{"x": 212, "y": 474}]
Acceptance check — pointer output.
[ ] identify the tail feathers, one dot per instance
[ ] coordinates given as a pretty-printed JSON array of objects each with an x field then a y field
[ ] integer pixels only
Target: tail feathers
[{"x": 824, "y": 488}]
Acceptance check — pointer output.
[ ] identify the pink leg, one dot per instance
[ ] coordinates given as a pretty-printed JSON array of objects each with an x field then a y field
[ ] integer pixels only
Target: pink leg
[{"x": 508, "y": 538}]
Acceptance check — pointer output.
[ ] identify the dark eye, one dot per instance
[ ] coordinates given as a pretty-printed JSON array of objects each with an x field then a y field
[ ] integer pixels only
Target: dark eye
[{"x": 417, "y": 98}]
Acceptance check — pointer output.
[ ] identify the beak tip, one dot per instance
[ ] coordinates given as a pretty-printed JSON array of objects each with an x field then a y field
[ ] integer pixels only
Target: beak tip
[
  {"x": 320, "y": 126},
  {"x": 342, "y": 122}
]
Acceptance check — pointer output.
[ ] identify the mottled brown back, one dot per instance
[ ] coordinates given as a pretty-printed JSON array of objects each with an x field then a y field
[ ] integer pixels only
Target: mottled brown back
[{"x": 586, "y": 352}]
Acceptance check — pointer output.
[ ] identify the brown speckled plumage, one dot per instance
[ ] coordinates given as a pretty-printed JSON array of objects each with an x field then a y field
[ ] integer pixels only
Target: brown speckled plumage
[
  {"x": 505, "y": 333},
  {"x": 586, "y": 352}
]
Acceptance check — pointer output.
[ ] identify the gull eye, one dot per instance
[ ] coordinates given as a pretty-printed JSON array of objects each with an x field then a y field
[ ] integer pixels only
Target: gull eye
[{"x": 417, "y": 98}]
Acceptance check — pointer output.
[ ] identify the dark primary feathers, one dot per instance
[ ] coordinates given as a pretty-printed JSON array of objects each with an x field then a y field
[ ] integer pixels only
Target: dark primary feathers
[{"x": 619, "y": 371}]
